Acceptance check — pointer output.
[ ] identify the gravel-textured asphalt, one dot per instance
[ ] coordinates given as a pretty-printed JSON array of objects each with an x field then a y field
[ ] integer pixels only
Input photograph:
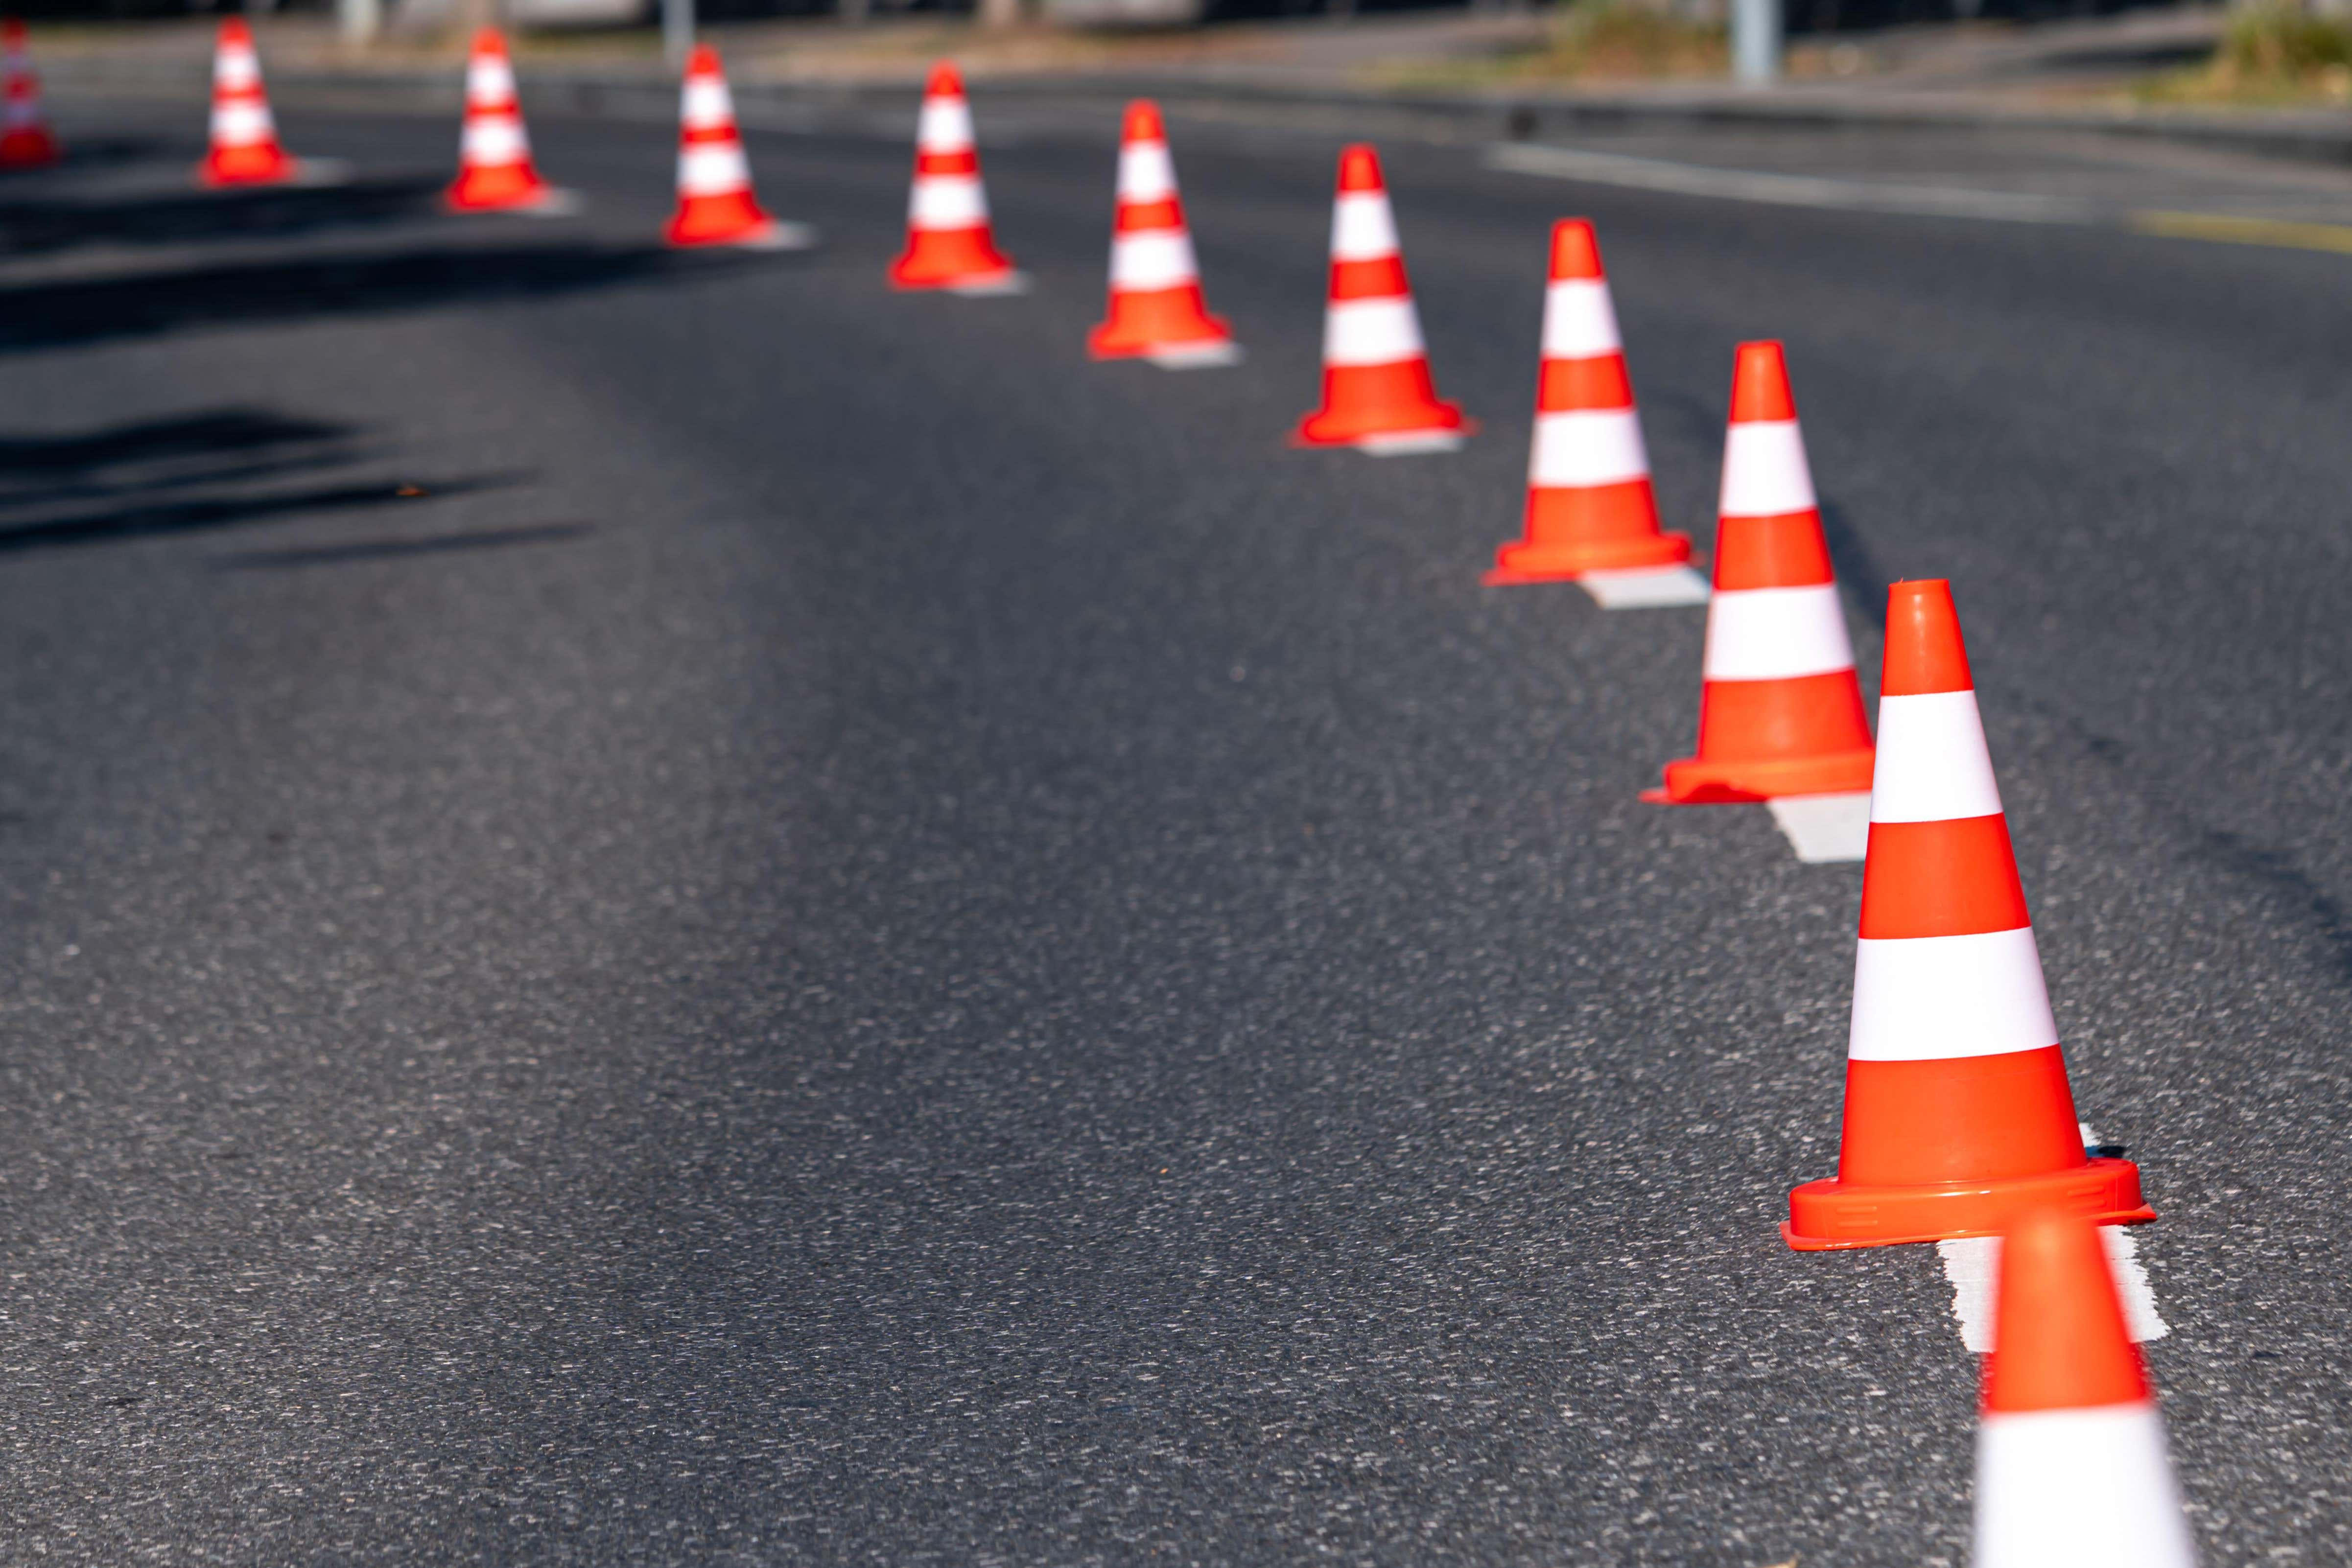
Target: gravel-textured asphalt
[{"x": 676, "y": 910}]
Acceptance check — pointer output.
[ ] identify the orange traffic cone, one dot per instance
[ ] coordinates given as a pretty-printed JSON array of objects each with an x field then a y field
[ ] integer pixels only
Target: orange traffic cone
[
  {"x": 1377, "y": 393},
  {"x": 1589, "y": 507},
  {"x": 495, "y": 172},
  {"x": 245, "y": 150},
  {"x": 715, "y": 201},
  {"x": 1780, "y": 712},
  {"x": 1156, "y": 309},
  {"x": 1957, "y": 1113},
  {"x": 25, "y": 139},
  {"x": 2071, "y": 1460},
  {"x": 950, "y": 244}
]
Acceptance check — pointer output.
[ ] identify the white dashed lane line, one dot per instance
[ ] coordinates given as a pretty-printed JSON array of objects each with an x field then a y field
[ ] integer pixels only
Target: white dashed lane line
[{"x": 1973, "y": 1267}]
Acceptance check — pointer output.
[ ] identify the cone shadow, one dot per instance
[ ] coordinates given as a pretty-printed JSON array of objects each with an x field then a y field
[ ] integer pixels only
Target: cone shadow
[{"x": 52, "y": 313}]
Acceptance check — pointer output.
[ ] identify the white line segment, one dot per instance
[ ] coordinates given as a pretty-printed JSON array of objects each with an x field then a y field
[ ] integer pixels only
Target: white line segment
[{"x": 1973, "y": 1267}]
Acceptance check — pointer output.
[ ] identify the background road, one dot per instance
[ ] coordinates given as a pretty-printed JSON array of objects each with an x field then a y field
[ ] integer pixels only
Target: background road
[{"x": 853, "y": 940}]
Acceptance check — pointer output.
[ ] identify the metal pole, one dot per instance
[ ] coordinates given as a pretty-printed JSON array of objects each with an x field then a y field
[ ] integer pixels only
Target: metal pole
[
  {"x": 1756, "y": 42},
  {"x": 678, "y": 30},
  {"x": 359, "y": 20}
]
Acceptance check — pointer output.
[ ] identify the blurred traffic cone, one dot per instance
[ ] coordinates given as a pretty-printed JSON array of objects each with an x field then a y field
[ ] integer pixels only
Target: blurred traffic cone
[
  {"x": 715, "y": 201},
  {"x": 2071, "y": 1460},
  {"x": 495, "y": 172},
  {"x": 1589, "y": 507},
  {"x": 245, "y": 150},
  {"x": 1156, "y": 309},
  {"x": 1780, "y": 712},
  {"x": 1957, "y": 1113},
  {"x": 25, "y": 139},
  {"x": 950, "y": 244},
  {"x": 1376, "y": 392}
]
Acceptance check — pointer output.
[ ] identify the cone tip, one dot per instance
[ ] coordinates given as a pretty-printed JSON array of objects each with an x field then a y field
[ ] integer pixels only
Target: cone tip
[
  {"x": 489, "y": 41},
  {"x": 1925, "y": 650},
  {"x": 1575, "y": 252},
  {"x": 1759, "y": 383},
  {"x": 12, "y": 29},
  {"x": 2059, "y": 1339},
  {"x": 703, "y": 61},
  {"x": 945, "y": 81},
  {"x": 1143, "y": 123},
  {"x": 232, "y": 30},
  {"x": 1359, "y": 167}
]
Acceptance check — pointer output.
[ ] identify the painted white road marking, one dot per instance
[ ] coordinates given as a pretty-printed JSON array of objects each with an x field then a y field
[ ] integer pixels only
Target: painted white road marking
[
  {"x": 1783, "y": 190},
  {"x": 1973, "y": 1267},
  {"x": 1410, "y": 443},
  {"x": 1651, "y": 587},
  {"x": 1825, "y": 829},
  {"x": 1196, "y": 356}
]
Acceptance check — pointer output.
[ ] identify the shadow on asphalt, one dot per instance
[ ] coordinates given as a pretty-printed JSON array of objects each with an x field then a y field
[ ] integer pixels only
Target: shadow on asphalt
[
  {"x": 52, "y": 313},
  {"x": 1861, "y": 579},
  {"x": 35, "y": 227},
  {"x": 167, "y": 476},
  {"x": 400, "y": 548},
  {"x": 224, "y": 511}
]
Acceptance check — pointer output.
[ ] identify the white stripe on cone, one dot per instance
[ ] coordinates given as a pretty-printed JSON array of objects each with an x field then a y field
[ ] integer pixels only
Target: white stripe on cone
[
  {"x": 715, "y": 169},
  {"x": 241, "y": 124},
  {"x": 1776, "y": 634},
  {"x": 1933, "y": 766},
  {"x": 1930, "y": 999},
  {"x": 489, "y": 79},
  {"x": 1152, "y": 258},
  {"x": 491, "y": 139},
  {"x": 1371, "y": 331},
  {"x": 236, "y": 70},
  {"x": 1764, "y": 470},
  {"x": 947, "y": 201},
  {"x": 1586, "y": 447},
  {"x": 1578, "y": 322},
  {"x": 1362, "y": 228},
  {"x": 945, "y": 126},
  {"x": 2060, "y": 1488},
  {"x": 707, "y": 105},
  {"x": 1145, "y": 172}
]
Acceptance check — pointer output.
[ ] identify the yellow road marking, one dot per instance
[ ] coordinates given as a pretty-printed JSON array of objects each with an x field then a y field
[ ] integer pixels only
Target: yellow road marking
[{"x": 2244, "y": 231}]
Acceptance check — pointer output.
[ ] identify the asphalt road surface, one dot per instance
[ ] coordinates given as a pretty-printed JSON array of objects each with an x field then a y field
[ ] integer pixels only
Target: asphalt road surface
[{"x": 674, "y": 909}]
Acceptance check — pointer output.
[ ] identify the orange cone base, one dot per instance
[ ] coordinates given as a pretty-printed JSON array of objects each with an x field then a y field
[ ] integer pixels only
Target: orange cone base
[
  {"x": 1696, "y": 782},
  {"x": 1831, "y": 1216},
  {"x": 1157, "y": 321},
  {"x": 1376, "y": 410},
  {"x": 721, "y": 220},
  {"x": 951, "y": 258},
  {"x": 1525, "y": 563},
  {"x": 499, "y": 191},
  {"x": 27, "y": 150},
  {"x": 1597, "y": 527},
  {"x": 247, "y": 166}
]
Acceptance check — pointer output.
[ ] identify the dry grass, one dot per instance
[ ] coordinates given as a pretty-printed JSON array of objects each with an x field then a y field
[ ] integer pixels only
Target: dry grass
[
  {"x": 2273, "y": 53},
  {"x": 1592, "y": 40}
]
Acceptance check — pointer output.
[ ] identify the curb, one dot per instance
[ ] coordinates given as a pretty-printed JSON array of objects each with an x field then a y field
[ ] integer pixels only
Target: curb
[{"x": 2302, "y": 137}]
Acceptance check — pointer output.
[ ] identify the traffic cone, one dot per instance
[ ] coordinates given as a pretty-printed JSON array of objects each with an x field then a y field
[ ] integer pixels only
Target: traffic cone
[
  {"x": 1589, "y": 507},
  {"x": 495, "y": 172},
  {"x": 2071, "y": 1460},
  {"x": 25, "y": 139},
  {"x": 1779, "y": 712},
  {"x": 950, "y": 244},
  {"x": 1156, "y": 309},
  {"x": 1376, "y": 392},
  {"x": 1957, "y": 1113},
  {"x": 715, "y": 201},
  {"x": 245, "y": 150}
]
